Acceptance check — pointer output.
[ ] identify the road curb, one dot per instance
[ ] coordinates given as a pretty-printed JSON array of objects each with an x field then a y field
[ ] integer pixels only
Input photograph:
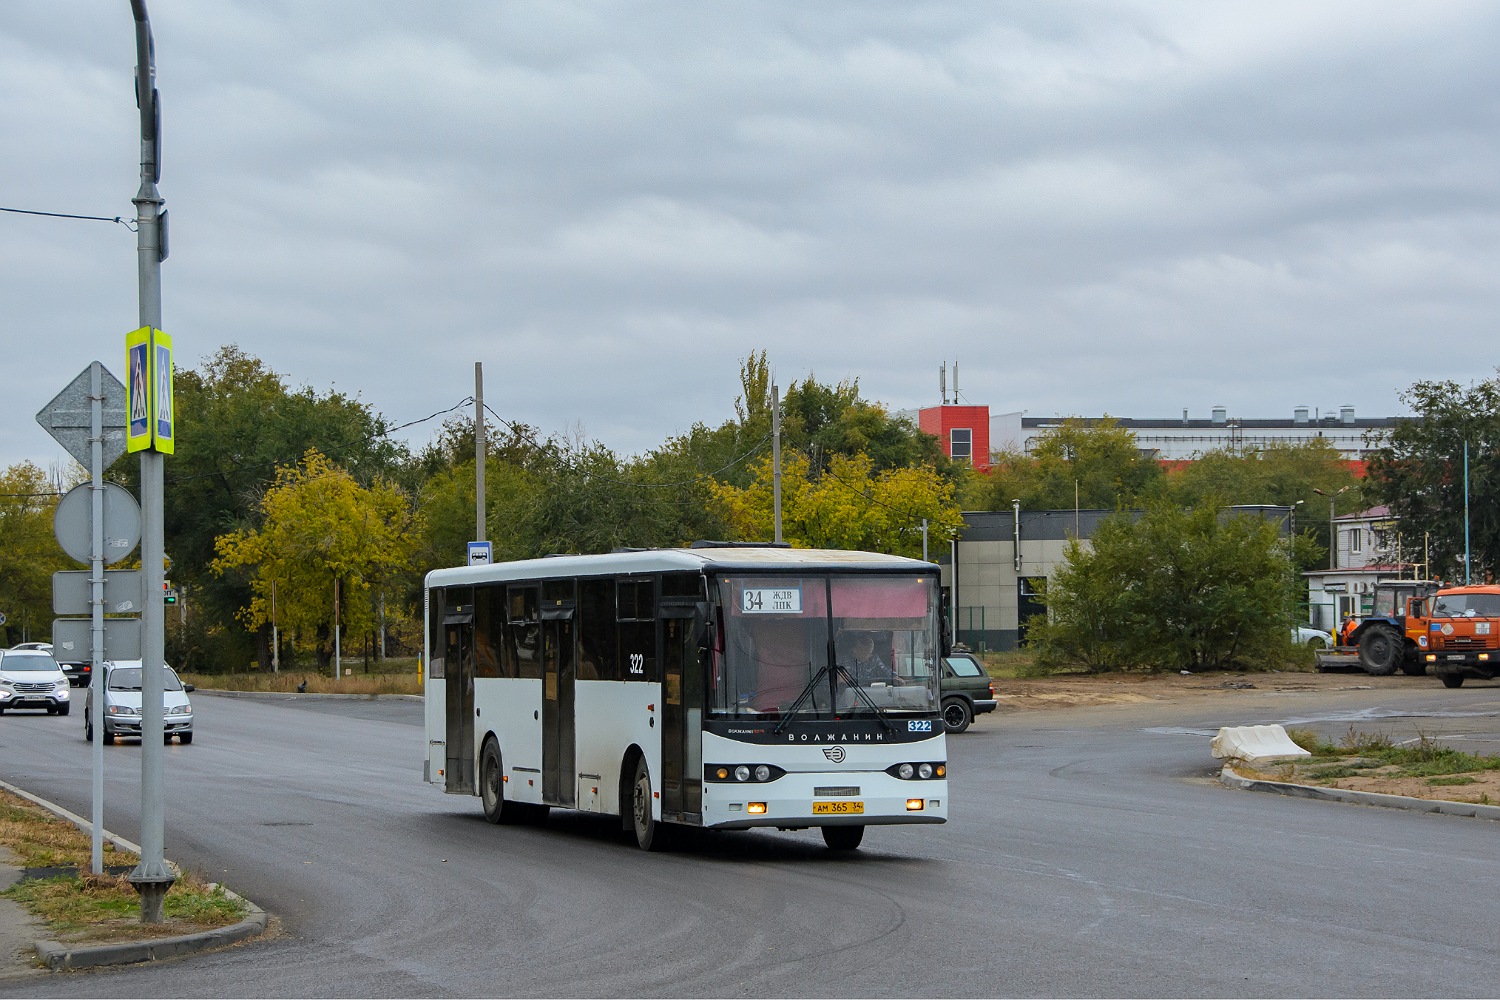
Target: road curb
[
  {"x": 1229, "y": 777},
  {"x": 57, "y": 956},
  {"x": 294, "y": 696}
]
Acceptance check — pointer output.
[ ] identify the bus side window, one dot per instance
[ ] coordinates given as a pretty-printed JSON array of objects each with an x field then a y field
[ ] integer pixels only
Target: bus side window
[
  {"x": 682, "y": 585},
  {"x": 635, "y": 604},
  {"x": 598, "y": 659},
  {"x": 435, "y": 629},
  {"x": 489, "y": 631},
  {"x": 523, "y": 632}
]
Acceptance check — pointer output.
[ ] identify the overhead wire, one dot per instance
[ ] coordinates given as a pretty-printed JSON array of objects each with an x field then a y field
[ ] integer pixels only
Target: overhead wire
[
  {"x": 69, "y": 215},
  {"x": 531, "y": 434}
]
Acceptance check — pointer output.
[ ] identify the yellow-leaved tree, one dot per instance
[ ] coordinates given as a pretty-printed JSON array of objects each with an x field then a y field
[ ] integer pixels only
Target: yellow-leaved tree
[
  {"x": 848, "y": 507},
  {"x": 320, "y": 526}
]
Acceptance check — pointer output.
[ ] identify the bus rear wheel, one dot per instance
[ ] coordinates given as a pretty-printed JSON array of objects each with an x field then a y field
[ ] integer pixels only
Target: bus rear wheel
[
  {"x": 648, "y": 832},
  {"x": 843, "y": 838},
  {"x": 491, "y": 790}
]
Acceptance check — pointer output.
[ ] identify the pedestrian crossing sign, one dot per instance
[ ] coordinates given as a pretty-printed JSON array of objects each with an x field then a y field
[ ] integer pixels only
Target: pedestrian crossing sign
[{"x": 151, "y": 418}]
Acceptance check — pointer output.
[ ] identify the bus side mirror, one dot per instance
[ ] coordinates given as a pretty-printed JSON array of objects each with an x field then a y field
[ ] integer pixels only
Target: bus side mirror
[{"x": 703, "y": 626}]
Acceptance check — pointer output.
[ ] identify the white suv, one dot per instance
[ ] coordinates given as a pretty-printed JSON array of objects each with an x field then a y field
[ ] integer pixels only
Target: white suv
[{"x": 31, "y": 678}]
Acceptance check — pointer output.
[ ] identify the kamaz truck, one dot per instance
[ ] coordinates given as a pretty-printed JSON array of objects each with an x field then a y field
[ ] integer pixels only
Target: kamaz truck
[{"x": 1463, "y": 634}]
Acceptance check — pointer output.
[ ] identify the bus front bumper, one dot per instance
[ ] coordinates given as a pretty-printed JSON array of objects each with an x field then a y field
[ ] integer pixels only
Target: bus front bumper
[{"x": 843, "y": 798}]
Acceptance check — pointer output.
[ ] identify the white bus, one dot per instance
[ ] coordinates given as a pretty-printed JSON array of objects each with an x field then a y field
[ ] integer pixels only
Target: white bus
[{"x": 718, "y": 686}]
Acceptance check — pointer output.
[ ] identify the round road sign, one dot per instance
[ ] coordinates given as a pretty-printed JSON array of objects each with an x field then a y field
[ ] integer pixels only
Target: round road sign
[{"x": 73, "y": 523}]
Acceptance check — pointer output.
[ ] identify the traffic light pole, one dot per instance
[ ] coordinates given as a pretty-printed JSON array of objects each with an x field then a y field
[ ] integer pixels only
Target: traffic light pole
[{"x": 152, "y": 877}]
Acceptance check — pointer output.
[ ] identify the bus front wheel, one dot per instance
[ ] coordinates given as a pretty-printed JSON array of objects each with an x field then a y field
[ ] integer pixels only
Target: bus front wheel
[
  {"x": 843, "y": 838},
  {"x": 648, "y": 834}
]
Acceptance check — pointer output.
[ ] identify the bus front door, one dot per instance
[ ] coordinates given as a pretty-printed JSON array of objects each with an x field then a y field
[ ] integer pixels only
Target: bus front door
[
  {"x": 682, "y": 718},
  {"x": 559, "y": 784},
  {"x": 458, "y": 656}
]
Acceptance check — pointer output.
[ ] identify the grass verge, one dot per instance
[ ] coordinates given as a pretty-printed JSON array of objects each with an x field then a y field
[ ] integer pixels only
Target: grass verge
[
  {"x": 81, "y": 907},
  {"x": 394, "y": 677},
  {"x": 1424, "y": 768}
]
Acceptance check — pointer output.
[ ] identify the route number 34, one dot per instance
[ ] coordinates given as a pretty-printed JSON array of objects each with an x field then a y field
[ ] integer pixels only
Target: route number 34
[{"x": 637, "y": 663}]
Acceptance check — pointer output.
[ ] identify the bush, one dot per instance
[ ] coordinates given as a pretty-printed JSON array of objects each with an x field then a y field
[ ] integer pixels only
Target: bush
[{"x": 1172, "y": 589}]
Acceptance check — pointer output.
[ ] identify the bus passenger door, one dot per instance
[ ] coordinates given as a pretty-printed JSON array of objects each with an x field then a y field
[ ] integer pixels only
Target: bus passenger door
[
  {"x": 681, "y": 717},
  {"x": 458, "y": 655},
  {"x": 559, "y": 784}
]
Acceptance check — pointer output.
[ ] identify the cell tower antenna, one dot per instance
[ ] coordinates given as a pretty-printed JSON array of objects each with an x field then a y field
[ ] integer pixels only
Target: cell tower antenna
[{"x": 943, "y": 381}]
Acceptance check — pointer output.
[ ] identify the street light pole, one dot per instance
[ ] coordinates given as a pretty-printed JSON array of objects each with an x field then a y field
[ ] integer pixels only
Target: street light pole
[{"x": 1333, "y": 535}]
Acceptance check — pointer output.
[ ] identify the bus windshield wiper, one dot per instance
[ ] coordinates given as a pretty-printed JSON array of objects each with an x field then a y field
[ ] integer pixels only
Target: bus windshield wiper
[
  {"x": 863, "y": 695},
  {"x": 812, "y": 685},
  {"x": 791, "y": 710}
]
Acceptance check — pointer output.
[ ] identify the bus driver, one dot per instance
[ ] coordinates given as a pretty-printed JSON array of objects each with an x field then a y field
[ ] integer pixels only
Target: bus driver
[{"x": 866, "y": 666}]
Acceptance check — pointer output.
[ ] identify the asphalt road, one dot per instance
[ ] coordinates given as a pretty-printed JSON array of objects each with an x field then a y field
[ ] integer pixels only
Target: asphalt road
[{"x": 1089, "y": 852}]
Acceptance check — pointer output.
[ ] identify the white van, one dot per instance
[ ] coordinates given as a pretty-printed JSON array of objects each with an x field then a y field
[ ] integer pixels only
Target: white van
[{"x": 122, "y": 703}]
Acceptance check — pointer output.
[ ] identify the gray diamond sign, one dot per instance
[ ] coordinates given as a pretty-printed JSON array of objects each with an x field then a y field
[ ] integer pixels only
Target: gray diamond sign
[{"x": 68, "y": 419}]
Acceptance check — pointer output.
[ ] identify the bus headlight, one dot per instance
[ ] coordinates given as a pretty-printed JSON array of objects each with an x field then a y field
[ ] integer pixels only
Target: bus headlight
[
  {"x": 742, "y": 772},
  {"x": 924, "y": 770},
  {"x": 905, "y": 771}
]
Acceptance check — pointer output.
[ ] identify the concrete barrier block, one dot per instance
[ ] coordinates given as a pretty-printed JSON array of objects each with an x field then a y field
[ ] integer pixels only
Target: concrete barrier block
[{"x": 1255, "y": 743}]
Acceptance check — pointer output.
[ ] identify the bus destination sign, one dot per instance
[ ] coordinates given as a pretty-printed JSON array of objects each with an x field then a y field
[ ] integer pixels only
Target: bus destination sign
[{"x": 771, "y": 601}]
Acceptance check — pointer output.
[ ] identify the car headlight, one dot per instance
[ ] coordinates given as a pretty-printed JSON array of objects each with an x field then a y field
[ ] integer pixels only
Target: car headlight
[
  {"x": 123, "y": 710},
  {"x": 62, "y": 693},
  {"x": 180, "y": 710}
]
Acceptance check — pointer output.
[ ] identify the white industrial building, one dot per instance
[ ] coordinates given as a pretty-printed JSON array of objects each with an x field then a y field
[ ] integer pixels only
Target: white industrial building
[{"x": 1171, "y": 439}]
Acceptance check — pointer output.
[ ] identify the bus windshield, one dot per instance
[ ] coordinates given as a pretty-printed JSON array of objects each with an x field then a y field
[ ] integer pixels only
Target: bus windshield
[{"x": 818, "y": 646}]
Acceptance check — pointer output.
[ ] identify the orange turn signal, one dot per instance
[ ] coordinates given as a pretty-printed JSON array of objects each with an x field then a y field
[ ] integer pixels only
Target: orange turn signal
[{"x": 756, "y": 807}]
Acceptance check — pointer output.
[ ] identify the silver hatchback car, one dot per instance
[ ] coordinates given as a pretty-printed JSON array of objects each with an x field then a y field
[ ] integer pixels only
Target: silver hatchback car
[{"x": 122, "y": 704}]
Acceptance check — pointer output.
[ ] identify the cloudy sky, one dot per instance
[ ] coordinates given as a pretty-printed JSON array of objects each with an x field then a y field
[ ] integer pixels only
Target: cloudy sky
[{"x": 1121, "y": 208}]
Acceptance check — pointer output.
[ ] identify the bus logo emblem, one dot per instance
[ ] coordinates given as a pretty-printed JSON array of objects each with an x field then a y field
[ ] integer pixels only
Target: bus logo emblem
[{"x": 835, "y": 754}]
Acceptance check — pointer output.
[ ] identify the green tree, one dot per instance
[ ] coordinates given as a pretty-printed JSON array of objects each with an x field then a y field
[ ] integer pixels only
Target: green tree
[
  {"x": 1420, "y": 474},
  {"x": 238, "y": 422},
  {"x": 320, "y": 527},
  {"x": 849, "y": 506},
  {"x": 818, "y": 419},
  {"x": 1171, "y": 589},
  {"x": 585, "y": 499},
  {"x": 1309, "y": 473},
  {"x": 29, "y": 553},
  {"x": 1096, "y": 465}
]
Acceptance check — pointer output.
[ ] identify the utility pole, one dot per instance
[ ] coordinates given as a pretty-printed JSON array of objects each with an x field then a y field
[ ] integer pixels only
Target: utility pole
[
  {"x": 776, "y": 457},
  {"x": 480, "y": 451},
  {"x": 1466, "y": 511},
  {"x": 152, "y": 877}
]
